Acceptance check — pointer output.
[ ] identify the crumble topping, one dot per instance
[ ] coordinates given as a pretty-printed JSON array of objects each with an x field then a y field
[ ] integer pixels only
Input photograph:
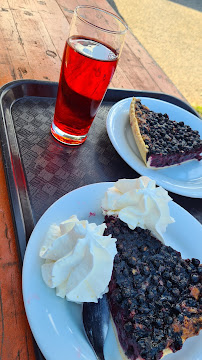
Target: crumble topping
[
  {"x": 162, "y": 142},
  {"x": 163, "y": 135},
  {"x": 154, "y": 294}
]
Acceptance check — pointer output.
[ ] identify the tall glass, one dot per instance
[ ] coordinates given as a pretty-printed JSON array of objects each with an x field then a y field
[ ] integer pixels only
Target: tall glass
[{"x": 89, "y": 61}]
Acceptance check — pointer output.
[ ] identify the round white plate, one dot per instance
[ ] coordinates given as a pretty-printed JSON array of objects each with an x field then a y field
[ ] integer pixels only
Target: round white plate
[
  {"x": 57, "y": 324},
  {"x": 184, "y": 179}
]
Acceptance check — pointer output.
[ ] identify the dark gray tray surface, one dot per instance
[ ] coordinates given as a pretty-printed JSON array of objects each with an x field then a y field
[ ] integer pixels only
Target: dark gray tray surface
[{"x": 53, "y": 169}]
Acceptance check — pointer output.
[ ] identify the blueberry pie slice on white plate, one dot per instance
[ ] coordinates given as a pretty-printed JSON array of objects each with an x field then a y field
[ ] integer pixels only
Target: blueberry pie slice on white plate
[
  {"x": 155, "y": 296},
  {"x": 162, "y": 142}
]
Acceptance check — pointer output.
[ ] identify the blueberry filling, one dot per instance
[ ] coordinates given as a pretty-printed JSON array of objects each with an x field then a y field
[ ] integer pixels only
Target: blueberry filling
[
  {"x": 154, "y": 294},
  {"x": 169, "y": 142}
]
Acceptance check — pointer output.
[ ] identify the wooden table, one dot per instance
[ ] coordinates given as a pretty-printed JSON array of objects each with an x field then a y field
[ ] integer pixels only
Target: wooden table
[{"x": 32, "y": 36}]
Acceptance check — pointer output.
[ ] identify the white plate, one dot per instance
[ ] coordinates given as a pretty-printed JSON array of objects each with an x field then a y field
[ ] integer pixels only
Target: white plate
[
  {"x": 56, "y": 324},
  {"x": 184, "y": 179}
]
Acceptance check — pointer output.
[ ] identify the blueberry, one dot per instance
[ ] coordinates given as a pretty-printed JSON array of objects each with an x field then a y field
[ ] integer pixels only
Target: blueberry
[
  {"x": 141, "y": 343},
  {"x": 191, "y": 302},
  {"x": 177, "y": 270},
  {"x": 178, "y": 308},
  {"x": 169, "y": 284},
  {"x": 189, "y": 269},
  {"x": 155, "y": 279},
  {"x": 169, "y": 320},
  {"x": 195, "y": 262},
  {"x": 146, "y": 270},
  {"x": 195, "y": 278},
  {"x": 128, "y": 326},
  {"x": 151, "y": 295},
  {"x": 199, "y": 270},
  {"x": 176, "y": 292},
  {"x": 166, "y": 298},
  {"x": 178, "y": 342},
  {"x": 181, "y": 123},
  {"x": 145, "y": 310},
  {"x": 160, "y": 289},
  {"x": 180, "y": 318},
  {"x": 170, "y": 332},
  {"x": 141, "y": 299},
  {"x": 182, "y": 284},
  {"x": 166, "y": 275},
  {"x": 132, "y": 261},
  {"x": 159, "y": 323}
]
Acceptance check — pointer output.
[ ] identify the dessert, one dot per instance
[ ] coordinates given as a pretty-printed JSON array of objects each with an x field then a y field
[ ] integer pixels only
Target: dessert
[
  {"x": 162, "y": 142},
  {"x": 139, "y": 202},
  {"x": 78, "y": 260},
  {"x": 154, "y": 295}
]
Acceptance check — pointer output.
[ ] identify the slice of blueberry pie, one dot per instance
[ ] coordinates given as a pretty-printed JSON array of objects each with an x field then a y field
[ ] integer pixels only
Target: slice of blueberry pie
[
  {"x": 162, "y": 142},
  {"x": 154, "y": 294}
]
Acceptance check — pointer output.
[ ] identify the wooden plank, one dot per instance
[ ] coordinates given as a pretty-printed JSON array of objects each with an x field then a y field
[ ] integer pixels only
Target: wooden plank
[
  {"x": 135, "y": 71},
  {"x": 67, "y": 8},
  {"x": 37, "y": 44},
  {"x": 12, "y": 52},
  {"x": 55, "y": 23},
  {"x": 12, "y": 47},
  {"x": 25, "y": 5},
  {"x": 6, "y": 69},
  {"x": 16, "y": 340},
  {"x": 152, "y": 67},
  {"x": 120, "y": 80}
]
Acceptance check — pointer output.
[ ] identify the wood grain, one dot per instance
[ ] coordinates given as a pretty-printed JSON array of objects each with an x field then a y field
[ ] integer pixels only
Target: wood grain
[
  {"x": 33, "y": 35},
  {"x": 15, "y": 336}
]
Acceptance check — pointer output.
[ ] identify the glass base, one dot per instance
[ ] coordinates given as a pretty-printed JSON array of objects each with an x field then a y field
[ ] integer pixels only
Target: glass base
[{"x": 65, "y": 138}]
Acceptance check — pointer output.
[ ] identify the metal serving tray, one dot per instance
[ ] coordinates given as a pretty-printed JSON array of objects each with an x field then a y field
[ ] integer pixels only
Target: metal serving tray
[{"x": 39, "y": 169}]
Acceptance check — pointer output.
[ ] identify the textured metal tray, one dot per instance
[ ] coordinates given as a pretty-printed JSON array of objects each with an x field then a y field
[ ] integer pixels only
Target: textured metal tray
[{"x": 39, "y": 170}]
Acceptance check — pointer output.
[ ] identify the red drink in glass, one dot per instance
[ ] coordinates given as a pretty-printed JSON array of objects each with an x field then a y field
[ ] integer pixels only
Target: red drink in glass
[
  {"x": 91, "y": 53},
  {"x": 87, "y": 68}
]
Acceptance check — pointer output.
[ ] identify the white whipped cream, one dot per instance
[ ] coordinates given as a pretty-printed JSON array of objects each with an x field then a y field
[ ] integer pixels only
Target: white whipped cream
[
  {"x": 78, "y": 260},
  {"x": 138, "y": 202}
]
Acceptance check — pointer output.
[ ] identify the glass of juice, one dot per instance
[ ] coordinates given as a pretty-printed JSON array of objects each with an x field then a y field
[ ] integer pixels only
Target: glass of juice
[{"x": 89, "y": 61}]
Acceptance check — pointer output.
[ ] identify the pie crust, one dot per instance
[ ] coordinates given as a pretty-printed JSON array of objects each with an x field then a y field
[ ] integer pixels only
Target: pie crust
[{"x": 137, "y": 116}]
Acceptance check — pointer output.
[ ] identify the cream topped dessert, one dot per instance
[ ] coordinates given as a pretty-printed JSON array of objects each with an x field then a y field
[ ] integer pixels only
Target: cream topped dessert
[
  {"x": 78, "y": 260},
  {"x": 138, "y": 202},
  {"x": 154, "y": 295}
]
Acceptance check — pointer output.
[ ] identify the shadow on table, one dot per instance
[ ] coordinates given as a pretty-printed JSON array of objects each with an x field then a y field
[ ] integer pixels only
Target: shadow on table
[
  {"x": 113, "y": 5},
  {"x": 193, "y": 4}
]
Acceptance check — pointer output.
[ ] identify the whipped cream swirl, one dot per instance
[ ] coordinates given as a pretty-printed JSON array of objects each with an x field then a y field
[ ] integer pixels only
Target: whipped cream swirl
[
  {"x": 78, "y": 260},
  {"x": 138, "y": 202}
]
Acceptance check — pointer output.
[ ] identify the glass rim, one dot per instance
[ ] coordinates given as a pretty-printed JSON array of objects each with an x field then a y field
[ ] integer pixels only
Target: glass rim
[{"x": 121, "y": 32}]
